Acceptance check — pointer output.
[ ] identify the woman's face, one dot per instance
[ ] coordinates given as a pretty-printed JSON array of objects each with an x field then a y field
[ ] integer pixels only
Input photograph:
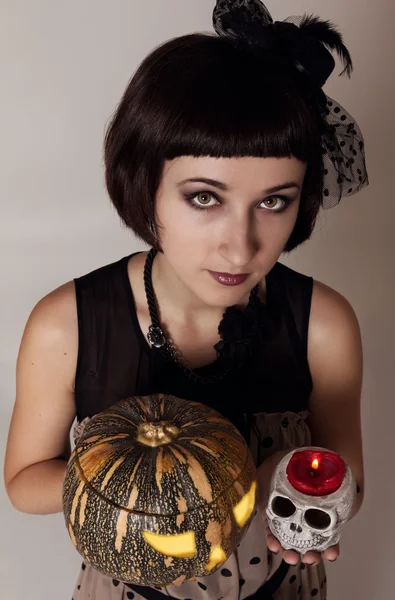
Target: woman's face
[{"x": 211, "y": 232}]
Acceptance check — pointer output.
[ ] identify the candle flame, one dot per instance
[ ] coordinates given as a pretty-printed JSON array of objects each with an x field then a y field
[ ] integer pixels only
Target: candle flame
[{"x": 315, "y": 464}]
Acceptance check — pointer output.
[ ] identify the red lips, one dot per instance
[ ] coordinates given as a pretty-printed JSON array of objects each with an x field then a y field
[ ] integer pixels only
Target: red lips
[{"x": 229, "y": 279}]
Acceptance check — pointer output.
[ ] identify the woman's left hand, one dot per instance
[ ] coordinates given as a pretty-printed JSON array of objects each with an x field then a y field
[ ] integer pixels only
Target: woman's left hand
[{"x": 292, "y": 557}]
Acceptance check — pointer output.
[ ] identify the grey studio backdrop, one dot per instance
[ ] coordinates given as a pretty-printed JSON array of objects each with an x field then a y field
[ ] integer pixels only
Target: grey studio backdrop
[{"x": 64, "y": 65}]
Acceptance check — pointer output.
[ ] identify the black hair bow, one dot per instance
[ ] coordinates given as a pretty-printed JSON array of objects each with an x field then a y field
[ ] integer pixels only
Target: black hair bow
[{"x": 303, "y": 40}]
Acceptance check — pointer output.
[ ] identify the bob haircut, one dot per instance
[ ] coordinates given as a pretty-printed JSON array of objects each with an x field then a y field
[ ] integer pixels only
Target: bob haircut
[{"x": 203, "y": 95}]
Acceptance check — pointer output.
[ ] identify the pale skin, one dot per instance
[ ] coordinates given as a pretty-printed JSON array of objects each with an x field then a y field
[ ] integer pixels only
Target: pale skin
[{"x": 244, "y": 232}]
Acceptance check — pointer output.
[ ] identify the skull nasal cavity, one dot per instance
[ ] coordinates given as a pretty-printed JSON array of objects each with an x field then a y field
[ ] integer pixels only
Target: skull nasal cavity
[
  {"x": 283, "y": 507},
  {"x": 318, "y": 519},
  {"x": 295, "y": 527}
]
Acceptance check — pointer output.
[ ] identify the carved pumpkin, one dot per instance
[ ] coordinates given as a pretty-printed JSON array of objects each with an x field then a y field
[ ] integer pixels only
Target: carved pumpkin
[{"x": 158, "y": 490}]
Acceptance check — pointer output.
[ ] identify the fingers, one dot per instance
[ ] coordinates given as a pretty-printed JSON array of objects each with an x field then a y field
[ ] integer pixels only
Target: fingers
[
  {"x": 332, "y": 553},
  {"x": 272, "y": 543},
  {"x": 290, "y": 556},
  {"x": 311, "y": 558}
]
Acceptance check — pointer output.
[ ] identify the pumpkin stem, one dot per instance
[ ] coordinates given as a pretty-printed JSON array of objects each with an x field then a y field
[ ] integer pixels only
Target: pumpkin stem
[{"x": 157, "y": 434}]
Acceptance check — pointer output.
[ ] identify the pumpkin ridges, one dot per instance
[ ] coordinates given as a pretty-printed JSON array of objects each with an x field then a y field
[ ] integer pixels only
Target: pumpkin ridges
[
  {"x": 121, "y": 529},
  {"x": 111, "y": 472},
  {"x": 76, "y": 498},
  {"x": 71, "y": 534},
  {"x": 95, "y": 459},
  {"x": 215, "y": 463},
  {"x": 84, "y": 499},
  {"x": 202, "y": 446},
  {"x": 198, "y": 476}
]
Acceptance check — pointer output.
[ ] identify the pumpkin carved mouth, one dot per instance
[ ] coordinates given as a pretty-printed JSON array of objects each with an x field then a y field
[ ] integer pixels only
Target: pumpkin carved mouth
[{"x": 180, "y": 545}]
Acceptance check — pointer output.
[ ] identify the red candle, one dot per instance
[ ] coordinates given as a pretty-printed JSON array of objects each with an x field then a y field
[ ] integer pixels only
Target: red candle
[{"x": 316, "y": 473}]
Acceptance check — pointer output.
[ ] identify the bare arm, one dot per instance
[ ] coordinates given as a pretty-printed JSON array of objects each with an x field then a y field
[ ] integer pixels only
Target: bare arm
[
  {"x": 336, "y": 363},
  {"x": 38, "y": 441}
]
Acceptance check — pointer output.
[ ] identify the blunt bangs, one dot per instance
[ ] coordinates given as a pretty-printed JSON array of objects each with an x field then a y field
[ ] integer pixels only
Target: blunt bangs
[{"x": 237, "y": 105}]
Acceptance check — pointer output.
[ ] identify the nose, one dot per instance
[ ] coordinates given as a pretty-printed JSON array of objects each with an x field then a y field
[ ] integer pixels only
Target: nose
[
  {"x": 239, "y": 241},
  {"x": 295, "y": 527}
]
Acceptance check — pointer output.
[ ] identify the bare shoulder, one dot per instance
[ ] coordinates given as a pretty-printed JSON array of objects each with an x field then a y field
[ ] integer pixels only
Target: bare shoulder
[
  {"x": 332, "y": 318},
  {"x": 44, "y": 407},
  {"x": 58, "y": 306},
  {"x": 53, "y": 327},
  {"x": 334, "y": 346}
]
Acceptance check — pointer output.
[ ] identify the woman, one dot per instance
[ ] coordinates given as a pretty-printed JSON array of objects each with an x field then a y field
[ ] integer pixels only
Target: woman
[{"x": 220, "y": 155}]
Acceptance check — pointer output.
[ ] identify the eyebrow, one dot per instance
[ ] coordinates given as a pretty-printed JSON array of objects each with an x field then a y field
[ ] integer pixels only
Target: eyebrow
[{"x": 225, "y": 188}]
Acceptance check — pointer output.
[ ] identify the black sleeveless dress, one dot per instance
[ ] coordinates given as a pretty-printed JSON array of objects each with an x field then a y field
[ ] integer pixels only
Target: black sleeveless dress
[{"x": 265, "y": 394}]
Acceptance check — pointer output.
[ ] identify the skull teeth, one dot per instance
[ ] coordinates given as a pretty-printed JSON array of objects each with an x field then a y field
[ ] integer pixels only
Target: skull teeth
[{"x": 302, "y": 544}]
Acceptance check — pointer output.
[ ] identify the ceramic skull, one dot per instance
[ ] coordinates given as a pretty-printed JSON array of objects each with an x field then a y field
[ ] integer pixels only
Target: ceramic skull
[{"x": 305, "y": 522}]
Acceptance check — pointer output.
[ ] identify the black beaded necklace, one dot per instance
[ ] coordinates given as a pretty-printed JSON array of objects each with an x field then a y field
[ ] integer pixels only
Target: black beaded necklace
[{"x": 157, "y": 338}]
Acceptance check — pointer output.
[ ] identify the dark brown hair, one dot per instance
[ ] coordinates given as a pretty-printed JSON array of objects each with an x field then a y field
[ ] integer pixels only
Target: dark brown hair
[{"x": 199, "y": 95}]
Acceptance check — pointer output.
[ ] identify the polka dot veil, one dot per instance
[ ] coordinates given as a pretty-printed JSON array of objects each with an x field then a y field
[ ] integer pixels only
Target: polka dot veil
[{"x": 345, "y": 171}]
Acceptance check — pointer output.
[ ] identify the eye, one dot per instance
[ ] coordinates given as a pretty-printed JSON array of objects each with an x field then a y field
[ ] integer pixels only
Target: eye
[
  {"x": 202, "y": 200},
  {"x": 276, "y": 203}
]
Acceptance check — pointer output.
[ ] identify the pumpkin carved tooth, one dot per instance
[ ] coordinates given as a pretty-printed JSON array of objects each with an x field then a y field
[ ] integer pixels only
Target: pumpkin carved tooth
[
  {"x": 217, "y": 557},
  {"x": 242, "y": 511},
  {"x": 158, "y": 489}
]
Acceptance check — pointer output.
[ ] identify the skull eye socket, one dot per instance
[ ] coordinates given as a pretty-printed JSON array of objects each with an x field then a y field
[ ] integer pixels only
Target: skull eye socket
[
  {"x": 283, "y": 507},
  {"x": 318, "y": 519}
]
